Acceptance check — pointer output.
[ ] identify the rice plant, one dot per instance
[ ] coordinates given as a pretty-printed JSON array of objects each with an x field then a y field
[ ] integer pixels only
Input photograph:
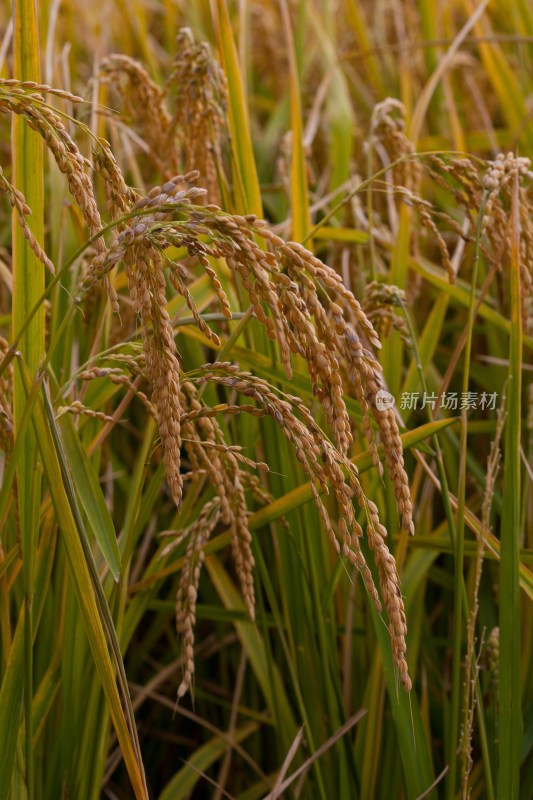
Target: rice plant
[{"x": 266, "y": 318}]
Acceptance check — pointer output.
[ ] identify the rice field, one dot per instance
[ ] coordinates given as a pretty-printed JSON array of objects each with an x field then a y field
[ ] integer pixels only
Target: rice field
[{"x": 266, "y": 407}]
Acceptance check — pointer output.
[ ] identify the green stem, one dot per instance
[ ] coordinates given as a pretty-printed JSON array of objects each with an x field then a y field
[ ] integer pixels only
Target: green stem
[
  {"x": 453, "y": 534},
  {"x": 510, "y": 712},
  {"x": 28, "y": 286},
  {"x": 459, "y": 586}
]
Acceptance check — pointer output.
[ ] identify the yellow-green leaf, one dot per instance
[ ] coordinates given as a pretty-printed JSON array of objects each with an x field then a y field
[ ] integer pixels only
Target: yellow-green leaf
[{"x": 90, "y": 495}]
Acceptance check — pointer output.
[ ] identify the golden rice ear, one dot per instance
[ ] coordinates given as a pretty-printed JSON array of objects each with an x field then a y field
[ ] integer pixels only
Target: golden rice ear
[
  {"x": 497, "y": 185},
  {"x": 197, "y": 86},
  {"x": 48, "y": 123},
  {"x": 144, "y": 106},
  {"x": 304, "y": 306},
  {"x": 326, "y": 469},
  {"x": 120, "y": 197},
  {"x": 197, "y": 535},
  {"x": 379, "y": 303},
  {"x": 387, "y": 130},
  {"x": 144, "y": 269}
]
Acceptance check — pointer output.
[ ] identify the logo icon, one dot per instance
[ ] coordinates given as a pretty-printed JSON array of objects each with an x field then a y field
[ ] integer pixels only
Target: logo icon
[{"x": 384, "y": 400}]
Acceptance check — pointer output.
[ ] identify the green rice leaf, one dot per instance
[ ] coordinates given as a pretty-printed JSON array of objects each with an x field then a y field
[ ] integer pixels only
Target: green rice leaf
[
  {"x": 90, "y": 495},
  {"x": 84, "y": 581},
  {"x": 11, "y": 706}
]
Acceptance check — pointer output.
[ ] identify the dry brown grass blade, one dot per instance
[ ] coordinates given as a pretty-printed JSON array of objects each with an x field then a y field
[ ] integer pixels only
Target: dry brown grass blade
[
  {"x": 289, "y": 758},
  {"x": 343, "y": 730}
]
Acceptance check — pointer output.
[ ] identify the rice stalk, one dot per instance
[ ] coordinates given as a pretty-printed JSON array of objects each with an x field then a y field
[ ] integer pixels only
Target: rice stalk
[
  {"x": 471, "y": 660},
  {"x": 28, "y": 285},
  {"x": 510, "y": 710}
]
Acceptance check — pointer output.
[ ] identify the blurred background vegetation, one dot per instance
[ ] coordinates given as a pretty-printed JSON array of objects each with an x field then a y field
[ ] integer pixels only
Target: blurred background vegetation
[{"x": 362, "y": 130}]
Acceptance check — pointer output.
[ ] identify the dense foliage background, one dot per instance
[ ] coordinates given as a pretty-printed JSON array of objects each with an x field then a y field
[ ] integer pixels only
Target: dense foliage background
[{"x": 142, "y": 488}]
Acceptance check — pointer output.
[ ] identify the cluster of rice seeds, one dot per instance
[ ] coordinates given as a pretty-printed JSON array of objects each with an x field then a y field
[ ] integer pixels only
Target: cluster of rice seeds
[
  {"x": 30, "y": 90},
  {"x": 315, "y": 344},
  {"x": 196, "y": 536},
  {"x": 221, "y": 408},
  {"x": 145, "y": 105},
  {"x": 259, "y": 272},
  {"x": 364, "y": 372},
  {"x": 146, "y": 280},
  {"x": 498, "y": 186},
  {"x": 526, "y": 261},
  {"x": 117, "y": 376},
  {"x": 379, "y": 303},
  {"x": 241, "y": 538},
  {"x": 390, "y": 591},
  {"x": 17, "y": 202},
  {"x": 280, "y": 282},
  {"x": 312, "y": 450},
  {"x": 325, "y": 468},
  {"x": 283, "y": 285},
  {"x": 206, "y": 448},
  {"x": 367, "y": 382},
  {"x": 47, "y": 122},
  {"x": 178, "y": 276},
  {"x": 314, "y": 331},
  {"x": 388, "y": 139},
  {"x": 468, "y": 186},
  {"x": 464, "y": 181},
  {"x": 78, "y": 409},
  {"x": 144, "y": 263},
  {"x": 425, "y": 214},
  {"x": 121, "y": 198},
  {"x": 139, "y": 232},
  {"x": 304, "y": 305},
  {"x": 200, "y": 108}
]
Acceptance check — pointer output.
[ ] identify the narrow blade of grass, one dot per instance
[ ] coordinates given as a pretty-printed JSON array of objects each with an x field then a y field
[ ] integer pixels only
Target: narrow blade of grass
[
  {"x": 299, "y": 191},
  {"x": 244, "y": 169},
  {"x": 85, "y": 588},
  {"x": 90, "y": 495},
  {"x": 268, "y": 676},
  {"x": 406, "y": 715},
  {"x": 28, "y": 286},
  {"x": 11, "y": 706},
  {"x": 510, "y": 723}
]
